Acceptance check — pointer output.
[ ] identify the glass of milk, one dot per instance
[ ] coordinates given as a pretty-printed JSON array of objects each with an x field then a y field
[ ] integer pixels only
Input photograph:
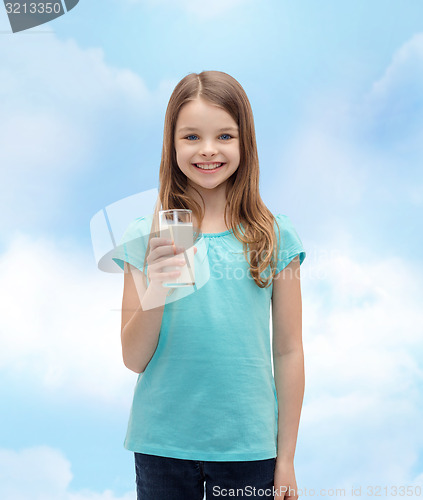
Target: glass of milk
[{"x": 176, "y": 225}]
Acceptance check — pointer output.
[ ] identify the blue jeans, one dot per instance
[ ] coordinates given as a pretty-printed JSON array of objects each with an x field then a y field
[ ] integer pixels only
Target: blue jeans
[{"x": 164, "y": 478}]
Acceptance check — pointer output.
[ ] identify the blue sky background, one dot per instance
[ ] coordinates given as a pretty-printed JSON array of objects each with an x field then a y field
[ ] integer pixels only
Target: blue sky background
[{"x": 337, "y": 94}]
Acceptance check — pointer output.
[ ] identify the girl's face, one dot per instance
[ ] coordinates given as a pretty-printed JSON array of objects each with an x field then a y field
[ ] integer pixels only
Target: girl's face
[{"x": 206, "y": 135}]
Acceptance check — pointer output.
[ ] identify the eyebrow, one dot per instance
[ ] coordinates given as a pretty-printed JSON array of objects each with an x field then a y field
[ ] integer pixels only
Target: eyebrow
[{"x": 193, "y": 129}]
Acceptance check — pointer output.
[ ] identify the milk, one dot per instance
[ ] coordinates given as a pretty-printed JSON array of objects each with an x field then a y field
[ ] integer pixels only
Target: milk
[{"x": 182, "y": 235}]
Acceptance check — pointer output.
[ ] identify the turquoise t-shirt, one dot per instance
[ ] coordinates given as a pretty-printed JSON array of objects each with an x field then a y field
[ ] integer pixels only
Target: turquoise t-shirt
[{"x": 208, "y": 392}]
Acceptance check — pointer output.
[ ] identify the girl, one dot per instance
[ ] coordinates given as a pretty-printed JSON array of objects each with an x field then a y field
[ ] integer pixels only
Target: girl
[{"x": 207, "y": 409}]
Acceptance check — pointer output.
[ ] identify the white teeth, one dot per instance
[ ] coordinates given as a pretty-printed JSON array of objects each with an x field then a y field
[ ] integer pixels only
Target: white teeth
[{"x": 209, "y": 167}]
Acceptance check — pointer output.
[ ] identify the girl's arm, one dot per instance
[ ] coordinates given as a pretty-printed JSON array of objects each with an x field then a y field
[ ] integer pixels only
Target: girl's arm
[
  {"x": 143, "y": 307},
  {"x": 288, "y": 361},
  {"x": 140, "y": 325}
]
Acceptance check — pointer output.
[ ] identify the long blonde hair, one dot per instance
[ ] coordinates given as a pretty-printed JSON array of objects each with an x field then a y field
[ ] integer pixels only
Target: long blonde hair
[{"x": 243, "y": 202}]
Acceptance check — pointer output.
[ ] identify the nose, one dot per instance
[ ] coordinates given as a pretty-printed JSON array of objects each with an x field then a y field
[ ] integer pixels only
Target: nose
[{"x": 208, "y": 148}]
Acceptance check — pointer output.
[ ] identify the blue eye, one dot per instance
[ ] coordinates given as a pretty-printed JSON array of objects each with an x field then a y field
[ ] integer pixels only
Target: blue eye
[{"x": 228, "y": 136}]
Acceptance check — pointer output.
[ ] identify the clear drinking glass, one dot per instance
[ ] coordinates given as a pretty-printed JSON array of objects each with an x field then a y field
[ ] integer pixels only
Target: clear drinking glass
[{"x": 176, "y": 225}]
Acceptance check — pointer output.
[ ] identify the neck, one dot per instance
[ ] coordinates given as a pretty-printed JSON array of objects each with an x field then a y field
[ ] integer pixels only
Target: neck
[{"x": 214, "y": 201}]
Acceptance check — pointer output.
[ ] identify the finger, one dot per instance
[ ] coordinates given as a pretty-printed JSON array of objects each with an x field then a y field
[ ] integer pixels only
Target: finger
[
  {"x": 157, "y": 276},
  {"x": 155, "y": 242},
  {"x": 162, "y": 252},
  {"x": 159, "y": 264}
]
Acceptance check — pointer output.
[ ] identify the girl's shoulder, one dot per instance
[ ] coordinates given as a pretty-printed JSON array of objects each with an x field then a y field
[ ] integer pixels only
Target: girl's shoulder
[
  {"x": 289, "y": 240},
  {"x": 283, "y": 223},
  {"x": 140, "y": 226},
  {"x": 132, "y": 245}
]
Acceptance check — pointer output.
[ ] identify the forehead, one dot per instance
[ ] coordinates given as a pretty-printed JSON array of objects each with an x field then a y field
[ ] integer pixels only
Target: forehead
[{"x": 199, "y": 113}]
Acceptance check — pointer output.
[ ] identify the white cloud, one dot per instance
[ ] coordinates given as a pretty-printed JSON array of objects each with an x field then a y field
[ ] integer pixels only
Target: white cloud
[
  {"x": 57, "y": 321},
  {"x": 362, "y": 318},
  {"x": 325, "y": 167},
  {"x": 363, "y": 342},
  {"x": 404, "y": 73},
  {"x": 42, "y": 473},
  {"x": 61, "y": 105},
  {"x": 392, "y": 110},
  {"x": 359, "y": 151}
]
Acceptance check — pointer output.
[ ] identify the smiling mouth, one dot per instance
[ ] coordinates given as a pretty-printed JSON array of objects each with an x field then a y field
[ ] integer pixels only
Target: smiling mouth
[{"x": 208, "y": 167}]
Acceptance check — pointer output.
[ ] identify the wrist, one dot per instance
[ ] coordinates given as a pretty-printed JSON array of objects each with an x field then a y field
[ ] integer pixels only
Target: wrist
[
  {"x": 284, "y": 461},
  {"x": 157, "y": 288},
  {"x": 155, "y": 296}
]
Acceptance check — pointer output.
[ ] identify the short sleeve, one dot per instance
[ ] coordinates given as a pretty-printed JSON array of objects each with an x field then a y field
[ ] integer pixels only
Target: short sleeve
[
  {"x": 133, "y": 245},
  {"x": 289, "y": 243}
]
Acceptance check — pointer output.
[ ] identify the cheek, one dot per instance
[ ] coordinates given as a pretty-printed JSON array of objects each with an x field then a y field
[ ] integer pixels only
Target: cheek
[
  {"x": 236, "y": 153},
  {"x": 182, "y": 159},
  {"x": 236, "y": 156},
  {"x": 182, "y": 153}
]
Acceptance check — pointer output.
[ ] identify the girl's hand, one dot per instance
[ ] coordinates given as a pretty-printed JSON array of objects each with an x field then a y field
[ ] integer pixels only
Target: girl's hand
[
  {"x": 284, "y": 481},
  {"x": 163, "y": 254}
]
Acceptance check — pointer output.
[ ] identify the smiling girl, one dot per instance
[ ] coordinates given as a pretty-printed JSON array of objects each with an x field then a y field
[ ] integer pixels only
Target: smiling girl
[{"x": 207, "y": 409}]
